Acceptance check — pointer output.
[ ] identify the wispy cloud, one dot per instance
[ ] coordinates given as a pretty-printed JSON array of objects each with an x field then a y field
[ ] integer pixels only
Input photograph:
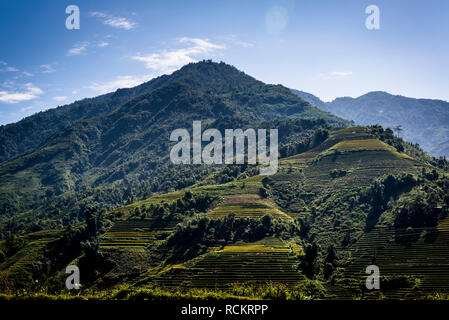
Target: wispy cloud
[
  {"x": 47, "y": 68},
  {"x": 7, "y": 68},
  {"x": 27, "y": 92},
  {"x": 119, "y": 82},
  {"x": 78, "y": 49},
  {"x": 121, "y": 23},
  {"x": 9, "y": 84},
  {"x": 98, "y": 14},
  {"x": 115, "y": 22},
  {"x": 169, "y": 60},
  {"x": 102, "y": 44},
  {"x": 235, "y": 41}
]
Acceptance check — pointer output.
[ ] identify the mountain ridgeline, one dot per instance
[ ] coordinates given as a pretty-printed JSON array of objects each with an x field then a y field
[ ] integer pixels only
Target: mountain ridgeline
[
  {"x": 121, "y": 152},
  {"x": 423, "y": 121},
  {"x": 29, "y": 133}
]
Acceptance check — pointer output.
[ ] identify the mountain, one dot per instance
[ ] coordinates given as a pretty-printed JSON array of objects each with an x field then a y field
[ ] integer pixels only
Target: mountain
[
  {"x": 29, "y": 133},
  {"x": 112, "y": 158},
  {"x": 310, "y": 98},
  {"x": 424, "y": 121}
]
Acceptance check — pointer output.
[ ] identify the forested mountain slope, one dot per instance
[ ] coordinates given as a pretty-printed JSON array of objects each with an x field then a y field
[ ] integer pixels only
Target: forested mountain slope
[{"x": 111, "y": 158}]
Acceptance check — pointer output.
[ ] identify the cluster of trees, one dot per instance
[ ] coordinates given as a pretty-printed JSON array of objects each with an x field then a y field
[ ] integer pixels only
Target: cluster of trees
[
  {"x": 387, "y": 136},
  {"x": 233, "y": 172},
  {"x": 52, "y": 211},
  {"x": 314, "y": 262},
  {"x": 419, "y": 212},
  {"x": 12, "y": 244},
  {"x": 382, "y": 191},
  {"x": 80, "y": 240},
  {"x": 193, "y": 236},
  {"x": 335, "y": 173},
  {"x": 309, "y": 263},
  {"x": 426, "y": 206},
  {"x": 163, "y": 214}
]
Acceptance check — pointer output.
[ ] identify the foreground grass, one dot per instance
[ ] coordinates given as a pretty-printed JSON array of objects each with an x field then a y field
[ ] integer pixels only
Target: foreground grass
[
  {"x": 124, "y": 294},
  {"x": 270, "y": 291}
]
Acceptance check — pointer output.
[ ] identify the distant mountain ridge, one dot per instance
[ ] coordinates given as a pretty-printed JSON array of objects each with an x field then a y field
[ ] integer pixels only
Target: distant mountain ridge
[{"x": 424, "y": 121}]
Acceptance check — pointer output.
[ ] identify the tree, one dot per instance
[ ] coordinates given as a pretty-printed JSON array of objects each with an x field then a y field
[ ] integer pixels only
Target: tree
[
  {"x": 331, "y": 254},
  {"x": 267, "y": 221},
  {"x": 309, "y": 260},
  {"x": 94, "y": 221},
  {"x": 398, "y": 129}
]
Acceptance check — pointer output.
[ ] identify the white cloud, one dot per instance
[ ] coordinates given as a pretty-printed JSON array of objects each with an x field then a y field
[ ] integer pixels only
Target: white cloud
[
  {"x": 28, "y": 74},
  {"x": 47, "y": 68},
  {"x": 60, "y": 98},
  {"x": 78, "y": 49},
  {"x": 121, "y": 23},
  {"x": 103, "y": 44},
  {"x": 115, "y": 22},
  {"x": 75, "y": 91},
  {"x": 170, "y": 60},
  {"x": 98, "y": 14},
  {"x": 27, "y": 92},
  {"x": 235, "y": 41},
  {"x": 119, "y": 82},
  {"x": 9, "y": 69}
]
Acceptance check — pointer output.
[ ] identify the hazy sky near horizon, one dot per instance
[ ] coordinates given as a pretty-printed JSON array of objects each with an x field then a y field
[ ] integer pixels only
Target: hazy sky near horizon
[{"x": 321, "y": 47}]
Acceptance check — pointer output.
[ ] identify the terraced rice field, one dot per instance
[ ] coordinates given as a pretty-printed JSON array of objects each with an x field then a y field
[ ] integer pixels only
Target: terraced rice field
[
  {"x": 244, "y": 264},
  {"x": 247, "y": 206},
  {"x": 355, "y": 133},
  {"x": 21, "y": 266},
  {"x": 130, "y": 234},
  {"x": 360, "y": 144},
  {"x": 366, "y": 144},
  {"x": 361, "y": 169},
  {"x": 425, "y": 263}
]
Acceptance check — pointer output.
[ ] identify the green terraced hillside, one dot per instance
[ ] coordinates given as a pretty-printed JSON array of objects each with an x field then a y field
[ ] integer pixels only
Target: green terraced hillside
[{"x": 360, "y": 197}]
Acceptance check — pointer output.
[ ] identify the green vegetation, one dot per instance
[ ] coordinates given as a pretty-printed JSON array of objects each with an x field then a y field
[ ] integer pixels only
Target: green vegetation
[{"x": 102, "y": 194}]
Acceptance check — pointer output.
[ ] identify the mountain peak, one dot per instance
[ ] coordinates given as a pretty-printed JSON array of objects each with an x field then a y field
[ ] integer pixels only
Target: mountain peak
[{"x": 215, "y": 77}]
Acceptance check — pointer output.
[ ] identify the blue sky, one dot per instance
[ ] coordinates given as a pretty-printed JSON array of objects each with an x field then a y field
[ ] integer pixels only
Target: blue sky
[{"x": 321, "y": 47}]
